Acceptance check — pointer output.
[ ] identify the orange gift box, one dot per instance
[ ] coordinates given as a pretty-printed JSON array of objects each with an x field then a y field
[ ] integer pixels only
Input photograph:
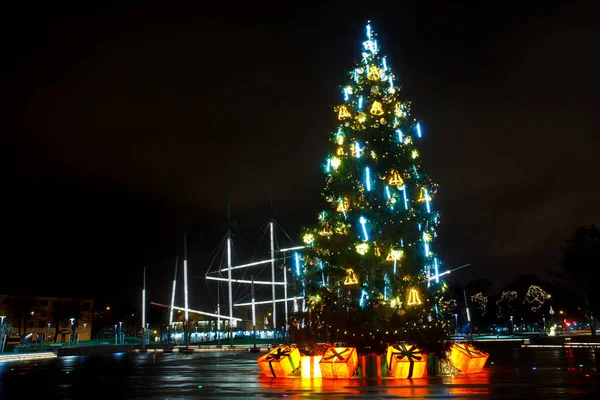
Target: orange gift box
[
  {"x": 280, "y": 362},
  {"x": 406, "y": 362},
  {"x": 339, "y": 362},
  {"x": 310, "y": 367},
  {"x": 467, "y": 358}
]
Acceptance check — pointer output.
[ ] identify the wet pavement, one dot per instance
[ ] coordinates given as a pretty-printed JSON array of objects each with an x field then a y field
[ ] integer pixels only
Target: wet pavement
[{"x": 511, "y": 374}]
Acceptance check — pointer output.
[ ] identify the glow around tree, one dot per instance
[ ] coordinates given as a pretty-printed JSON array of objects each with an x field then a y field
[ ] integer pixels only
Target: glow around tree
[{"x": 370, "y": 267}]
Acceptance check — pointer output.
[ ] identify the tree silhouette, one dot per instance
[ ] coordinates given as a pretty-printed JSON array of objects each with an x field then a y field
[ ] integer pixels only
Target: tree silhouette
[{"x": 579, "y": 271}]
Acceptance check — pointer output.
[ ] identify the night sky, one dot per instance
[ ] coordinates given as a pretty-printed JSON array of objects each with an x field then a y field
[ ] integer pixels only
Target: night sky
[{"x": 126, "y": 126}]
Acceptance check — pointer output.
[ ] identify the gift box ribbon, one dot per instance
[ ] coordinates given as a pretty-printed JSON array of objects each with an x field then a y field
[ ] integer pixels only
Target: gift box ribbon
[
  {"x": 472, "y": 351},
  {"x": 277, "y": 355},
  {"x": 336, "y": 354},
  {"x": 410, "y": 354}
]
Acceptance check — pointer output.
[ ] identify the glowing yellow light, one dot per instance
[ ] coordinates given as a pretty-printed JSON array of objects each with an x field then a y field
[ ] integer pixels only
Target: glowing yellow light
[
  {"x": 413, "y": 298},
  {"x": 351, "y": 278},
  {"x": 552, "y": 331},
  {"x": 376, "y": 250},
  {"x": 407, "y": 140},
  {"x": 357, "y": 151},
  {"x": 335, "y": 162},
  {"x": 343, "y": 113},
  {"x": 340, "y": 151},
  {"x": 406, "y": 278},
  {"x": 339, "y": 137},
  {"x": 343, "y": 205},
  {"x": 308, "y": 238},
  {"x": 341, "y": 228},
  {"x": 325, "y": 230},
  {"x": 427, "y": 237},
  {"x": 394, "y": 255},
  {"x": 362, "y": 248},
  {"x": 424, "y": 196},
  {"x": 361, "y": 117},
  {"x": 414, "y": 154},
  {"x": 316, "y": 299},
  {"x": 373, "y": 155},
  {"x": 396, "y": 302},
  {"x": 395, "y": 178},
  {"x": 374, "y": 73},
  {"x": 376, "y": 108},
  {"x": 399, "y": 110}
]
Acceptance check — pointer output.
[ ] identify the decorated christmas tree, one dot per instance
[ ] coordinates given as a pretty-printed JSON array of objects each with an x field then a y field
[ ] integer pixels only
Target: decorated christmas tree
[{"x": 369, "y": 271}]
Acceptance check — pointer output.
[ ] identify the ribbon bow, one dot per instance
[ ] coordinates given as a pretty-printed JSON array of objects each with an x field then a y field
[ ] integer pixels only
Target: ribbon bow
[
  {"x": 279, "y": 353},
  {"x": 472, "y": 351},
  {"x": 410, "y": 354},
  {"x": 336, "y": 354}
]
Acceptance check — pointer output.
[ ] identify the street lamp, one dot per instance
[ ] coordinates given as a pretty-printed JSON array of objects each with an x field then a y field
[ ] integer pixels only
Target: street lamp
[
  {"x": 48, "y": 338},
  {"x": 2, "y": 334},
  {"x": 115, "y": 333},
  {"x": 84, "y": 326},
  {"x": 121, "y": 332},
  {"x": 512, "y": 326},
  {"x": 71, "y": 335}
]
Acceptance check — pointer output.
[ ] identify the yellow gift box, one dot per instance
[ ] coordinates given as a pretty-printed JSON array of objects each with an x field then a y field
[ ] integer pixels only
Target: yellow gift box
[
  {"x": 406, "y": 361},
  {"x": 467, "y": 358},
  {"x": 280, "y": 362},
  {"x": 339, "y": 362}
]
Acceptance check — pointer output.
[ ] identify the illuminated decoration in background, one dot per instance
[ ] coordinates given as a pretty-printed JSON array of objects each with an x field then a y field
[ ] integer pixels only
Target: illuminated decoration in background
[
  {"x": 400, "y": 136},
  {"x": 395, "y": 178},
  {"x": 340, "y": 151},
  {"x": 308, "y": 238},
  {"x": 376, "y": 250},
  {"x": 325, "y": 230},
  {"x": 552, "y": 331},
  {"x": 357, "y": 151},
  {"x": 376, "y": 108},
  {"x": 413, "y": 298},
  {"x": 414, "y": 154},
  {"x": 405, "y": 197},
  {"x": 437, "y": 270},
  {"x": 536, "y": 297},
  {"x": 363, "y": 223},
  {"x": 363, "y": 297},
  {"x": 335, "y": 162},
  {"x": 426, "y": 239},
  {"x": 418, "y": 130},
  {"x": 394, "y": 255},
  {"x": 339, "y": 137},
  {"x": 399, "y": 110},
  {"x": 362, "y": 248},
  {"x": 297, "y": 258},
  {"x": 343, "y": 205},
  {"x": 343, "y": 113},
  {"x": 373, "y": 73},
  {"x": 351, "y": 278},
  {"x": 368, "y": 179}
]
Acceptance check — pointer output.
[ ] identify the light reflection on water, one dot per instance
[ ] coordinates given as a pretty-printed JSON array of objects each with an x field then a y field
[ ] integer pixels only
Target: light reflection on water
[{"x": 558, "y": 373}]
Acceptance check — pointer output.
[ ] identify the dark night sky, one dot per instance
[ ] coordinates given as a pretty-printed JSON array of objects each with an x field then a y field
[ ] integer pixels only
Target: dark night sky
[{"x": 126, "y": 127}]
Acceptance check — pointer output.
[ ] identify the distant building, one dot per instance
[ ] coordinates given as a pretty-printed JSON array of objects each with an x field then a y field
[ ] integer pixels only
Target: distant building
[{"x": 47, "y": 319}]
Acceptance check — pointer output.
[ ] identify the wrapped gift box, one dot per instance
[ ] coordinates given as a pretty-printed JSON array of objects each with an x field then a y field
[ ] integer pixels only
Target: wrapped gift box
[
  {"x": 372, "y": 366},
  {"x": 310, "y": 367},
  {"x": 339, "y": 362},
  {"x": 406, "y": 361},
  {"x": 280, "y": 362},
  {"x": 467, "y": 358}
]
